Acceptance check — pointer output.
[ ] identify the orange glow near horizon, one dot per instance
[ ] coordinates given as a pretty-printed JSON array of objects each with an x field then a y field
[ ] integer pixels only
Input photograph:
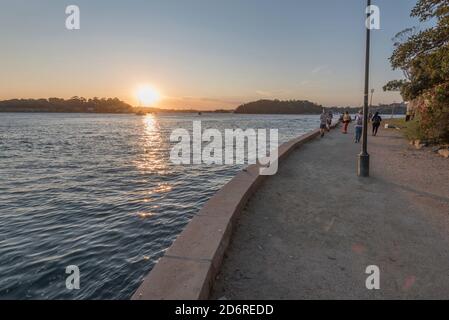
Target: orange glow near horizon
[{"x": 147, "y": 96}]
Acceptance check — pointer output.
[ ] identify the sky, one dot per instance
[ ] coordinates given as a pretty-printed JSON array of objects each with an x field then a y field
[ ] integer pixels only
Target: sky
[{"x": 203, "y": 54}]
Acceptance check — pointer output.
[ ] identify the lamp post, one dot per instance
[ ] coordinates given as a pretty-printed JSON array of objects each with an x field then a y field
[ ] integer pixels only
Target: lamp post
[{"x": 363, "y": 161}]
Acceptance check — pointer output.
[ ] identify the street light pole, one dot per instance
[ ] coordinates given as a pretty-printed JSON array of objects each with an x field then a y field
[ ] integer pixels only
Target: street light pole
[{"x": 363, "y": 161}]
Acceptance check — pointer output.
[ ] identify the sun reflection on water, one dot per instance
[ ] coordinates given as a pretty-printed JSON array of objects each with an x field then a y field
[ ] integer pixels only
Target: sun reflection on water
[
  {"x": 161, "y": 188},
  {"x": 144, "y": 215},
  {"x": 150, "y": 123},
  {"x": 151, "y": 158}
]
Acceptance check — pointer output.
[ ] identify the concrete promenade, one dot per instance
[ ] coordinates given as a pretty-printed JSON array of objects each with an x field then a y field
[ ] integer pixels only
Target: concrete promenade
[{"x": 311, "y": 230}]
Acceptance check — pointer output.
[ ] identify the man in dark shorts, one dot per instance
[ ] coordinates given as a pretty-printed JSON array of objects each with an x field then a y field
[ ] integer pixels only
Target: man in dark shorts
[{"x": 376, "y": 120}]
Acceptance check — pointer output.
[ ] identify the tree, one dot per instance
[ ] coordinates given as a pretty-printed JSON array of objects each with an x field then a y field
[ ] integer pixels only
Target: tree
[
  {"x": 423, "y": 56},
  {"x": 74, "y": 104}
]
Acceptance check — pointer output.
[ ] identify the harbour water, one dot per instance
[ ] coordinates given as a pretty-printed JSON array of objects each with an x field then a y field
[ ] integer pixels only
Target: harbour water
[{"x": 99, "y": 191}]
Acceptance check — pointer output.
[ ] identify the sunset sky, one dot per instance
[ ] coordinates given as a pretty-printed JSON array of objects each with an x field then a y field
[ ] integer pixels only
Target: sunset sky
[{"x": 198, "y": 53}]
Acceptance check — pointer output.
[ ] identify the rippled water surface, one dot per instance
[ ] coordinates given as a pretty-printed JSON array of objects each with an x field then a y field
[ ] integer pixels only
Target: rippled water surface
[{"x": 99, "y": 192}]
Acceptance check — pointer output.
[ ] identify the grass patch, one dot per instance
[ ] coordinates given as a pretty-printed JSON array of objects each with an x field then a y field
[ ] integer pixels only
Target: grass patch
[{"x": 410, "y": 129}]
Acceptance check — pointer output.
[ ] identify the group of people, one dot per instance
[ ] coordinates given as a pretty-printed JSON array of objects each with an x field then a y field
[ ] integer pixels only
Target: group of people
[
  {"x": 346, "y": 119},
  {"x": 375, "y": 120}
]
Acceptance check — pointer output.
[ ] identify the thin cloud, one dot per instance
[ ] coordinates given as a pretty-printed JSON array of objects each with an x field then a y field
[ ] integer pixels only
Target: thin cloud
[
  {"x": 319, "y": 69},
  {"x": 264, "y": 93},
  {"x": 273, "y": 93},
  {"x": 203, "y": 103}
]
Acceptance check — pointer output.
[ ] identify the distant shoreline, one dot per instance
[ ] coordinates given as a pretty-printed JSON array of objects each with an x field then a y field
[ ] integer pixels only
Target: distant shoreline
[
  {"x": 116, "y": 106},
  {"x": 400, "y": 112},
  {"x": 180, "y": 112},
  {"x": 124, "y": 113}
]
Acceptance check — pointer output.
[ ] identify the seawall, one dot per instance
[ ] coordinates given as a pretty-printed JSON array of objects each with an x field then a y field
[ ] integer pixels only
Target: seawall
[{"x": 188, "y": 269}]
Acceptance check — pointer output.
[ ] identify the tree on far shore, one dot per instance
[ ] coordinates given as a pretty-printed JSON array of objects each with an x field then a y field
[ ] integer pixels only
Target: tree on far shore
[{"x": 74, "y": 104}]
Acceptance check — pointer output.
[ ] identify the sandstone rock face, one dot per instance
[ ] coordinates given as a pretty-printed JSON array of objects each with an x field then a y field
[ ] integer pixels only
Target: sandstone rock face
[{"x": 444, "y": 153}]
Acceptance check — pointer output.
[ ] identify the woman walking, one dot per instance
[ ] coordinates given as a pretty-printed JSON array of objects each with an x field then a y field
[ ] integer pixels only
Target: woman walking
[{"x": 346, "y": 120}]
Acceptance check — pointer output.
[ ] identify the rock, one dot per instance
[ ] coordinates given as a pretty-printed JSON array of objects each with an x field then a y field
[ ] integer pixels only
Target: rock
[
  {"x": 418, "y": 145},
  {"x": 444, "y": 153}
]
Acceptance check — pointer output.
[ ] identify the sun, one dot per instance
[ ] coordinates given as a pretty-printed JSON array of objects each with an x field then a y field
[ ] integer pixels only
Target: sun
[{"x": 147, "y": 95}]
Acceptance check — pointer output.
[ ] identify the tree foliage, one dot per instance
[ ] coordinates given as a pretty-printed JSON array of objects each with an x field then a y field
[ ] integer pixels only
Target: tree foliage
[
  {"x": 280, "y": 107},
  {"x": 74, "y": 104},
  {"x": 423, "y": 56}
]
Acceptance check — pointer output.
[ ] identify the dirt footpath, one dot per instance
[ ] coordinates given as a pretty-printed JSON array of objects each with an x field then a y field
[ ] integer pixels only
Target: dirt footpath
[{"x": 311, "y": 231}]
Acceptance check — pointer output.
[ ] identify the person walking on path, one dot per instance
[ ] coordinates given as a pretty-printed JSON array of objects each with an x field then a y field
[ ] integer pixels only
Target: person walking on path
[
  {"x": 346, "y": 121},
  {"x": 358, "y": 126},
  {"x": 323, "y": 122},
  {"x": 376, "y": 120},
  {"x": 330, "y": 116}
]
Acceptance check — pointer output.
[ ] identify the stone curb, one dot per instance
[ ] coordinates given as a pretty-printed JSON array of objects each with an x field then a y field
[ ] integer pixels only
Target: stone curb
[{"x": 188, "y": 269}]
